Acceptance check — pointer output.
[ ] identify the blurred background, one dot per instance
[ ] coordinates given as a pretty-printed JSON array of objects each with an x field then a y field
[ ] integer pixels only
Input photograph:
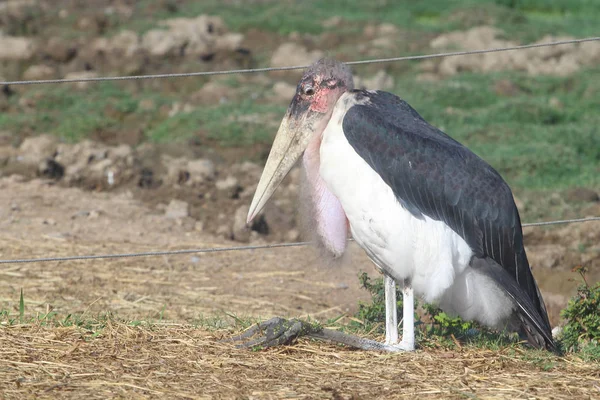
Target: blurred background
[{"x": 149, "y": 164}]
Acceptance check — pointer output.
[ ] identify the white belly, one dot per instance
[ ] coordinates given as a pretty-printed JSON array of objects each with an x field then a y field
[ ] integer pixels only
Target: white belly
[{"x": 426, "y": 252}]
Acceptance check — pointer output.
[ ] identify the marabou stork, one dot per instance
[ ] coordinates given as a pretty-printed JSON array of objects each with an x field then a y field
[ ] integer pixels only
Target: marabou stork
[{"x": 428, "y": 212}]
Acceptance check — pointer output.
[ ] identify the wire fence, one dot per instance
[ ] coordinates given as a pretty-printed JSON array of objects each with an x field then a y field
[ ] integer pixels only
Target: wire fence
[
  {"x": 256, "y": 70},
  {"x": 225, "y": 249},
  {"x": 269, "y": 69}
]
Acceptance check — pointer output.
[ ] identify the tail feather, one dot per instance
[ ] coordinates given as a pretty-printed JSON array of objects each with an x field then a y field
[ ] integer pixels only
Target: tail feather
[{"x": 533, "y": 320}]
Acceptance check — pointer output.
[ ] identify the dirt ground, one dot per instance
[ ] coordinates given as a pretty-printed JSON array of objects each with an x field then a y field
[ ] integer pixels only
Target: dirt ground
[
  {"x": 61, "y": 221},
  {"x": 174, "y": 359}
]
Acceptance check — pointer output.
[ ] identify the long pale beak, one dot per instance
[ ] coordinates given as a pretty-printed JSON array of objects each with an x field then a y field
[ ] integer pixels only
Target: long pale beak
[{"x": 293, "y": 137}]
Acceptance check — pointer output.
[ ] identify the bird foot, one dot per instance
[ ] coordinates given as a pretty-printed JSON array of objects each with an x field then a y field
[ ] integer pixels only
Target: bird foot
[
  {"x": 274, "y": 332},
  {"x": 404, "y": 346}
]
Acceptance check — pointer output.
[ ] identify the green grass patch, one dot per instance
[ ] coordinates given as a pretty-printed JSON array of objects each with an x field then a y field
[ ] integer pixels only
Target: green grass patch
[
  {"x": 582, "y": 329},
  {"x": 523, "y": 20},
  {"x": 232, "y": 124},
  {"x": 546, "y": 136},
  {"x": 69, "y": 114}
]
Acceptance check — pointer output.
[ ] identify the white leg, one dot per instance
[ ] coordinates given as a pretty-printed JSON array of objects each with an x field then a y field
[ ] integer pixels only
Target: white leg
[
  {"x": 408, "y": 319},
  {"x": 391, "y": 315}
]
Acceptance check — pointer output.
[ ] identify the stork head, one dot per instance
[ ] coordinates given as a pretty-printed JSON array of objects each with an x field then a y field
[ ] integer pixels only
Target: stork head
[{"x": 306, "y": 118}]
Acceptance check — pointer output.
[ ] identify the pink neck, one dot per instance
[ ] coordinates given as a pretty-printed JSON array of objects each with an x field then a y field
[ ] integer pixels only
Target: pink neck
[{"x": 328, "y": 214}]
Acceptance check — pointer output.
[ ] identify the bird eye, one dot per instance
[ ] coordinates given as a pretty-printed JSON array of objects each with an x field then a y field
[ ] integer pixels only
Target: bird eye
[{"x": 309, "y": 90}]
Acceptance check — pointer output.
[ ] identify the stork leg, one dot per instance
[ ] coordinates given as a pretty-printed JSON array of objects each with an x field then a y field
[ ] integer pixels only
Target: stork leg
[
  {"x": 278, "y": 331},
  {"x": 408, "y": 318},
  {"x": 391, "y": 314}
]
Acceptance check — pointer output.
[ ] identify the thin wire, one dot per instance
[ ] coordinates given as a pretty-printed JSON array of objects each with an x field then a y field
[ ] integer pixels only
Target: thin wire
[
  {"x": 269, "y": 69},
  {"x": 564, "y": 221},
  {"x": 223, "y": 249},
  {"x": 154, "y": 253}
]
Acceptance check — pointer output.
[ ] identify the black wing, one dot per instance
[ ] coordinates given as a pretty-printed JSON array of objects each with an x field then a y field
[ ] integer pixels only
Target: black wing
[{"x": 434, "y": 175}]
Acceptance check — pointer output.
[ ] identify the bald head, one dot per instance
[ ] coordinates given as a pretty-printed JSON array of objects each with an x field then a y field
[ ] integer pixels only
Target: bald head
[{"x": 327, "y": 70}]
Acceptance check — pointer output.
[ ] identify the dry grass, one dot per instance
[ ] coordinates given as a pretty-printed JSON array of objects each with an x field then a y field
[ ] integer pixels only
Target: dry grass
[
  {"x": 286, "y": 282},
  {"x": 112, "y": 359},
  {"x": 175, "y": 361}
]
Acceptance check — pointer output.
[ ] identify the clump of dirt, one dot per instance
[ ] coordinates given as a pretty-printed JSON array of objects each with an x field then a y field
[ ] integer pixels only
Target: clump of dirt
[
  {"x": 561, "y": 60},
  {"x": 214, "y": 190}
]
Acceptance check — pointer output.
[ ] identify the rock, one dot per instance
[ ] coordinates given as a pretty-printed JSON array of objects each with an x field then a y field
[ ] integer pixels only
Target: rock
[
  {"x": 122, "y": 151},
  {"x": 213, "y": 92},
  {"x": 37, "y": 149},
  {"x": 59, "y": 50},
  {"x": 83, "y": 153},
  {"x": 177, "y": 209},
  {"x": 96, "y": 163},
  {"x": 126, "y": 44},
  {"x": 177, "y": 171},
  {"x": 202, "y": 36},
  {"x": 183, "y": 171},
  {"x": 552, "y": 60},
  {"x": 16, "y": 48},
  {"x": 288, "y": 54},
  {"x": 160, "y": 43},
  {"x": 101, "y": 167},
  {"x": 581, "y": 195},
  {"x": 224, "y": 231},
  {"x": 81, "y": 75},
  {"x": 283, "y": 92},
  {"x": 39, "y": 72},
  {"x": 200, "y": 170},
  {"x": 240, "y": 231},
  {"x": 230, "y": 185},
  {"x": 51, "y": 169},
  {"x": 380, "y": 81}
]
